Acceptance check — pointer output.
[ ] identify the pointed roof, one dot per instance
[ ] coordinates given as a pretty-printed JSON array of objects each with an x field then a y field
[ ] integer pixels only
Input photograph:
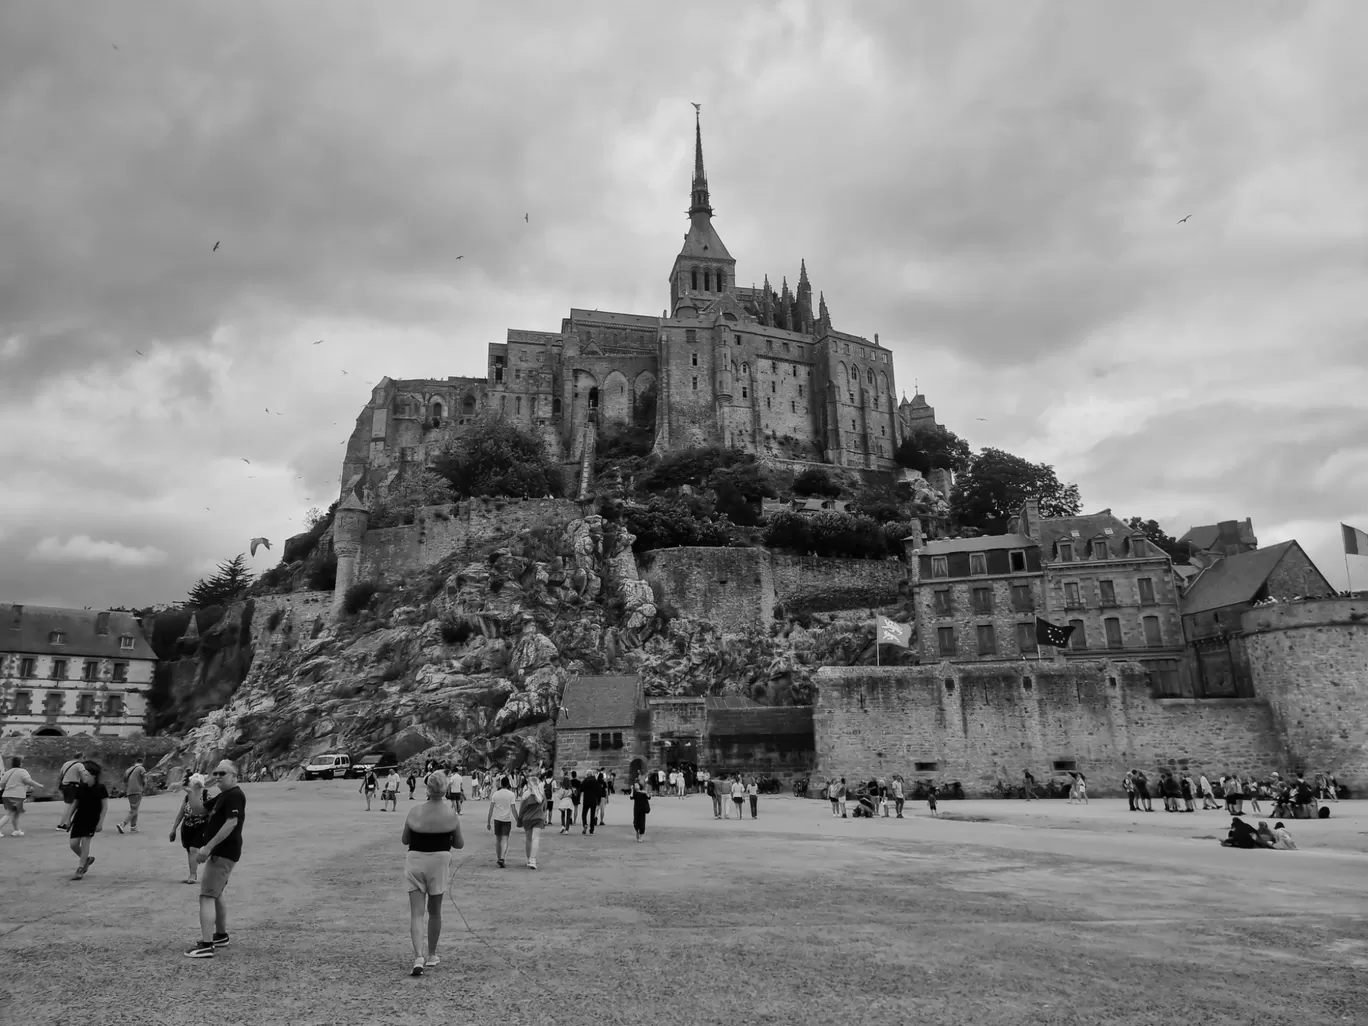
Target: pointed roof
[
  {"x": 700, "y": 202},
  {"x": 702, "y": 241},
  {"x": 1235, "y": 579},
  {"x": 802, "y": 274}
]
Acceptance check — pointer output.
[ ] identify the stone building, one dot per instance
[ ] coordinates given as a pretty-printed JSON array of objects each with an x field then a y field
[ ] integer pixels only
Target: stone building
[
  {"x": 731, "y": 734},
  {"x": 72, "y": 671},
  {"x": 603, "y": 724},
  {"x": 1216, "y": 599},
  {"x": 1228, "y": 538},
  {"x": 725, "y": 364}
]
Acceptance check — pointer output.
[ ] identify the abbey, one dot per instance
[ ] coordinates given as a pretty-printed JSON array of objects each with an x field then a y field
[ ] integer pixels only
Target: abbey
[{"x": 743, "y": 367}]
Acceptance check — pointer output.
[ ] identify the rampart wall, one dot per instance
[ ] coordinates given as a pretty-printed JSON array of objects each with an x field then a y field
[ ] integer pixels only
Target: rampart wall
[
  {"x": 819, "y": 584},
  {"x": 987, "y": 723}
]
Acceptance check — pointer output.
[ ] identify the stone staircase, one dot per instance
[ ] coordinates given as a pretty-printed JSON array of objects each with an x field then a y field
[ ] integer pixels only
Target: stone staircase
[{"x": 588, "y": 446}]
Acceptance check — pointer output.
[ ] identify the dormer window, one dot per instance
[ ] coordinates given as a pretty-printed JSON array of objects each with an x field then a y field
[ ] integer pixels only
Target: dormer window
[
  {"x": 1066, "y": 553},
  {"x": 1099, "y": 548},
  {"x": 57, "y": 637},
  {"x": 126, "y": 642}
]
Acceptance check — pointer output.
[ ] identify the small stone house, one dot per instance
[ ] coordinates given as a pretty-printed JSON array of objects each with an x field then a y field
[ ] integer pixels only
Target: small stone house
[{"x": 603, "y": 724}]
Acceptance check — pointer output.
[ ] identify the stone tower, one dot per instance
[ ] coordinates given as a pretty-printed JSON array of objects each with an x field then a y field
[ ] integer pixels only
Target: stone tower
[{"x": 349, "y": 530}]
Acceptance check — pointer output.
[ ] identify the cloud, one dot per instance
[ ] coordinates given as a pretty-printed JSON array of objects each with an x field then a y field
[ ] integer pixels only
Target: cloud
[
  {"x": 84, "y": 549},
  {"x": 993, "y": 189}
]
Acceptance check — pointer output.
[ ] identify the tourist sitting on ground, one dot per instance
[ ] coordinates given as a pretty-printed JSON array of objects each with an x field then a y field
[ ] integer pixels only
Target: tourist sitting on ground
[
  {"x": 1266, "y": 838},
  {"x": 1283, "y": 838},
  {"x": 864, "y": 808},
  {"x": 1241, "y": 835}
]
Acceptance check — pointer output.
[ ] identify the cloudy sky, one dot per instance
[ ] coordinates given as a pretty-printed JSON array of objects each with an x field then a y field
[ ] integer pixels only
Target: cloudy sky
[{"x": 992, "y": 187}]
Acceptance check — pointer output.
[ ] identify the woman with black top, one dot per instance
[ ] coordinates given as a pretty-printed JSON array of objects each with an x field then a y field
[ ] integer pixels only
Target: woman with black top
[
  {"x": 431, "y": 831},
  {"x": 192, "y": 818},
  {"x": 641, "y": 806},
  {"x": 369, "y": 786},
  {"x": 88, "y": 815}
]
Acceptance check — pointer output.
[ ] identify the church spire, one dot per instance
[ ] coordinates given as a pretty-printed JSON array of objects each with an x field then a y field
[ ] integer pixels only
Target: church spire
[
  {"x": 700, "y": 203},
  {"x": 823, "y": 317}
]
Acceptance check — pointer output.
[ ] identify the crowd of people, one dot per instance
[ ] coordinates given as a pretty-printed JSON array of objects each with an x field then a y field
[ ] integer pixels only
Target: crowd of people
[{"x": 1296, "y": 799}]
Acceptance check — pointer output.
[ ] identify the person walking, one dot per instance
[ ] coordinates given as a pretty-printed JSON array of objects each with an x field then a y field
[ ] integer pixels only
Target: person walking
[
  {"x": 69, "y": 780},
  {"x": 589, "y": 804},
  {"x": 192, "y": 818},
  {"x": 15, "y": 785},
  {"x": 898, "y": 795},
  {"x": 576, "y": 795},
  {"x": 931, "y": 799},
  {"x": 1081, "y": 787},
  {"x": 389, "y": 793},
  {"x": 1208, "y": 796},
  {"x": 531, "y": 817},
  {"x": 500, "y": 818},
  {"x": 1251, "y": 793},
  {"x": 841, "y": 795},
  {"x": 831, "y": 794},
  {"x": 431, "y": 831},
  {"x": 134, "y": 778},
  {"x": 91, "y": 805},
  {"x": 1029, "y": 782},
  {"x": 739, "y": 795},
  {"x": 412, "y": 785},
  {"x": 1128, "y": 785},
  {"x": 711, "y": 787},
  {"x": 456, "y": 790},
  {"x": 368, "y": 788},
  {"x": 565, "y": 803},
  {"x": 753, "y": 793},
  {"x": 1142, "y": 791},
  {"x": 220, "y": 854},
  {"x": 641, "y": 807},
  {"x": 603, "y": 799}
]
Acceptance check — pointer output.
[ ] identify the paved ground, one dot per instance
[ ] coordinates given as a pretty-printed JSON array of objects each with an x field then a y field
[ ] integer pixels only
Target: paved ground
[{"x": 1044, "y": 914}]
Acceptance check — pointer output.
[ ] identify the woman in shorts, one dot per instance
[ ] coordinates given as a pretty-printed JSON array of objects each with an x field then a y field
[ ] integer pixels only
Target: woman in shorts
[
  {"x": 88, "y": 816},
  {"x": 531, "y": 817},
  {"x": 431, "y": 831},
  {"x": 192, "y": 818},
  {"x": 500, "y": 819}
]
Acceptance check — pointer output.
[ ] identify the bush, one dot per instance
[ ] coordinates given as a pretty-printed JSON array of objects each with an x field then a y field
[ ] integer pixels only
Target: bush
[
  {"x": 496, "y": 457},
  {"x": 689, "y": 467},
  {"x": 359, "y": 596},
  {"x": 816, "y": 481},
  {"x": 830, "y": 534},
  {"x": 664, "y": 524}
]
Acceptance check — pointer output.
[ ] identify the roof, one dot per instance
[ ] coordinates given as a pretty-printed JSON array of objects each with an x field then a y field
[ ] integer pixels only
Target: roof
[
  {"x": 592, "y": 702},
  {"x": 729, "y": 702},
  {"x": 1235, "y": 579},
  {"x": 703, "y": 242},
  {"x": 1207, "y": 535},
  {"x": 982, "y": 543},
  {"x": 609, "y": 317},
  {"x": 1089, "y": 526},
  {"x": 26, "y": 630}
]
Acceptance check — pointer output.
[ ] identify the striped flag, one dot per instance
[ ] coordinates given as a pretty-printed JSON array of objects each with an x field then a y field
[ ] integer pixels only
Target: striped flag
[
  {"x": 1355, "y": 541},
  {"x": 891, "y": 632}
]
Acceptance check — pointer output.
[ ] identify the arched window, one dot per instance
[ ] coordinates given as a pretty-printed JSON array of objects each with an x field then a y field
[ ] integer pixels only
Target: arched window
[
  {"x": 707, "y": 281},
  {"x": 871, "y": 379},
  {"x": 693, "y": 279},
  {"x": 555, "y": 406},
  {"x": 517, "y": 405},
  {"x": 436, "y": 414},
  {"x": 745, "y": 368},
  {"x": 468, "y": 406},
  {"x": 593, "y": 398},
  {"x": 721, "y": 277}
]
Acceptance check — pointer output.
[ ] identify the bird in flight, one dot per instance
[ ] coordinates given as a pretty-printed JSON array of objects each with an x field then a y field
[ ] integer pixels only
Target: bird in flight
[
  {"x": 112, "y": 44},
  {"x": 461, "y": 257},
  {"x": 525, "y": 218},
  {"x": 138, "y": 351},
  {"x": 247, "y": 461},
  {"x": 260, "y": 541},
  {"x": 215, "y": 249},
  {"x": 697, "y": 106},
  {"x": 1184, "y": 219},
  {"x": 980, "y": 418},
  {"x": 319, "y": 342}
]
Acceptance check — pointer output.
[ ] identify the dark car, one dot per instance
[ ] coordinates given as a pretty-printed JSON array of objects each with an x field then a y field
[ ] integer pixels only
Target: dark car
[{"x": 382, "y": 764}]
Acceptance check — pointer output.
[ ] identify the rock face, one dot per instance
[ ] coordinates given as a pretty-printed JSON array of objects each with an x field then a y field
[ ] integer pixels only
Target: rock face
[{"x": 472, "y": 657}]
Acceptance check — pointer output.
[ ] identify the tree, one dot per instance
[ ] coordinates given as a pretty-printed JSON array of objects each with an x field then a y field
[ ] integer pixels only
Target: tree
[
  {"x": 739, "y": 491},
  {"x": 231, "y": 580},
  {"x": 816, "y": 481},
  {"x": 993, "y": 487},
  {"x": 644, "y": 410},
  {"x": 496, "y": 457},
  {"x": 1179, "y": 552},
  {"x": 934, "y": 448}
]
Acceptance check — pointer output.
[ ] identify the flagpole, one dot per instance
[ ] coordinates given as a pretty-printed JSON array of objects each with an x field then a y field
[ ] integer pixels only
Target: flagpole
[{"x": 1348, "y": 580}]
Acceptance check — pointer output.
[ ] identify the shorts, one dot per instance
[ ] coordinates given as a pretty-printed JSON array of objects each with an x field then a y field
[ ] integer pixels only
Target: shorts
[
  {"x": 192, "y": 836},
  {"x": 69, "y": 793},
  {"x": 134, "y": 800},
  {"x": 14, "y": 806},
  {"x": 215, "y": 876},
  {"x": 502, "y": 828},
  {"x": 427, "y": 871}
]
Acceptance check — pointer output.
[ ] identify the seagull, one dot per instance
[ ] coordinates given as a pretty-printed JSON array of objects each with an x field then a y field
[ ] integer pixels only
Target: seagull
[
  {"x": 215, "y": 249},
  {"x": 260, "y": 541},
  {"x": 697, "y": 106},
  {"x": 344, "y": 372},
  {"x": 461, "y": 257},
  {"x": 319, "y": 342},
  {"x": 525, "y": 217},
  {"x": 138, "y": 351},
  {"x": 1184, "y": 219},
  {"x": 981, "y": 418},
  {"x": 246, "y": 461}
]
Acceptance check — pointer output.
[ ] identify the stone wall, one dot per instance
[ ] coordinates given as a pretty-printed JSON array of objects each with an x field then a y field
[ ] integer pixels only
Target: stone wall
[
  {"x": 470, "y": 529},
  {"x": 43, "y": 757},
  {"x": 819, "y": 584},
  {"x": 733, "y": 588},
  {"x": 982, "y": 724},
  {"x": 1295, "y": 575},
  {"x": 767, "y": 741},
  {"x": 299, "y": 611},
  {"x": 573, "y": 753},
  {"x": 1309, "y": 660}
]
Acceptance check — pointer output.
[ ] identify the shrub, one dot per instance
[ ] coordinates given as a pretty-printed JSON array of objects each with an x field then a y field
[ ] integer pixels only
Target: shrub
[
  {"x": 688, "y": 467},
  {"x": 359, "y": 596},
  {"x": 816, "y": 481},
  {"x": 664, "y": 524},
  {"x": 830, "y": 534},
  {"x": 496, "y": 457},
  {"x": 273, "y": 621}
]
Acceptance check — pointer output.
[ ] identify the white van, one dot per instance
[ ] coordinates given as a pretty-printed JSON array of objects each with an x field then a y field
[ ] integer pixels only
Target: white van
[{"x": 327, "y": 766}]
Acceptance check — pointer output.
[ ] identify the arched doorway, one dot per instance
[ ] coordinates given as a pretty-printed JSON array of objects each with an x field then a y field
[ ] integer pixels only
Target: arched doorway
[
  {"x": 593, "y": 398},
  {"x": 636, "y": 771},
  {"x": 49, "y": 732}
]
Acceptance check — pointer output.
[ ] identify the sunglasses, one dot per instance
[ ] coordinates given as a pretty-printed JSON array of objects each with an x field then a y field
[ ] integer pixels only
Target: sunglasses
[{"x": 220, "y": 773}]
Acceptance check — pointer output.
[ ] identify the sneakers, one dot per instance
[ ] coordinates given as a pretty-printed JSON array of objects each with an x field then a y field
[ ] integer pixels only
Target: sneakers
[
  {"x": 433, "y": 961},
  {"x": 202, "y": 949},
  {"x": 417, "y": 969},
  {"x": 119, "y": 827},
  {"x": 531, "y": 865},
  {"x": 221, "y": 940},
  {"x": 17, "y": 833},
  {"x": 501, "y": 863}
]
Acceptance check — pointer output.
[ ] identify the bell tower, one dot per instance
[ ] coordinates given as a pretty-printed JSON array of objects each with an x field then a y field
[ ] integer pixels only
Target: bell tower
[{"x": 704, "y": 270}]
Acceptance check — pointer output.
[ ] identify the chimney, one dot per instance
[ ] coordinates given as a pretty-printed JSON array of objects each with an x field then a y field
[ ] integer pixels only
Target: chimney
[
  {"x": 102, "y": 624},
  {"x": 18, "y": 616},
  {"x": 1228, "y": 542},
  {"x": 1028, "y": 520}
]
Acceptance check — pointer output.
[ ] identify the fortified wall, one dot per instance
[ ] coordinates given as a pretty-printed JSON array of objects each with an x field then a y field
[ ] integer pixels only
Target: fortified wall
[
  {"x": 302, "y": 614},
  {"x": 736, "y": 588},
  {"x": 984, "y": 724},
  {"x": 1309, "y": 660},
  {"x": 44, "y": 756}
]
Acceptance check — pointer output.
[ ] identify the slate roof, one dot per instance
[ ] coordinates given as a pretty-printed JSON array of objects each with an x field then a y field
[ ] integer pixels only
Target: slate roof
[
  {"x": 591, "y": 703},
  {"x": 1207, "y": 535},
  {"x": 729, "y": 702},
  {"x": 982, "y": 543},
  {"x": 28, "y": 632},
  {"x": 1092, "y": 525},
  {"x": 1235, "y": 579},
  {"x": 610, "y": 317},
  {"x": 703, "y": 242}
]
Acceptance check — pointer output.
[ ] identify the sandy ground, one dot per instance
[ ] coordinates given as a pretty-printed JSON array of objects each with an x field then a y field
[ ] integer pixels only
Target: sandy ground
[{"x": 1046, "y": 913}]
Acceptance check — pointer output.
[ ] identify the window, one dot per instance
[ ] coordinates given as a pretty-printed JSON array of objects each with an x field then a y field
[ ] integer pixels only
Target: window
[
  {"x": 1022, "y": 600},
  {"x": 1153, "y": 637},
  {"x": 57, "y": 638},
  {"x": 786, "y": 347},
  {"x": 114, "y": 705},
  {"x": 983, "y": 600},
  {"x": 1113, "y": 626},
  {"x": 1138, "y": 546},
  {"x": 23, "y": 703},
  {"x": 800, "y": 391},
  {"x": 940, "y": 566},
  {"x": 1026, "y": 639},
  {"x": 555, "y": 406},
  {"x": 59, "y": 669},
  {"x": 126, "y": 642},
  {"x": 503, "y": 403},
  {"x": 1107, "y": 591},
  {"x": 695, "y": 386},
  {"x": 926, "y": 767},
  {"x": 942, "y": 602},
  {"x": 1016, "y": 559},
  {"x": 1099, "y": 548},
  {"x": 1146, "y": 586},
  {"x": 1066, "y": 552},
  {"x": 517, "y": 405},
  {"x": 690, "y": 336},
  {"x": 745, "y": 392},
  {"x": 945, "y": 637},
  {"x": 949, "y": 685},
  {"x": 1072, "y": 599},
  {"x": 121, "y": 671},
  {"x": 617, "y": 739},
  {"x": 768, "y": 406},
  {"x": 1027, "y": 684},
  {"x": 27, "y": 667},
  {"x": 52, "y": 703},
  {"x": 693, "y": 284},
  {"x": 90, "y": 670},
  {"x": 773, "y": 389},
  {"x": 1065, "y": 765},
  {"x": 1078, "y": 640},
  {"x": 693, "y": 359},
  {"x": 793, "y": 407},
  {"x": 85, "y": 705},
  {"x": 987, "y": 639},
  {"x": 593, "y": 741},
  {"x": 978, "y": 563}
]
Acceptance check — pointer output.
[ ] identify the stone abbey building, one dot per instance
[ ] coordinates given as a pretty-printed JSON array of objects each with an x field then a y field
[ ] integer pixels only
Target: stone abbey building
[{"x": 740, "y": 366}]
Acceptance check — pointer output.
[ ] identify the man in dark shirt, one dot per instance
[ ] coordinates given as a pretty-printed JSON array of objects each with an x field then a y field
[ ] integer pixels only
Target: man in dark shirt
[
  {"x": 590, "y": 795},
  {"x": 221, "y": 852}
]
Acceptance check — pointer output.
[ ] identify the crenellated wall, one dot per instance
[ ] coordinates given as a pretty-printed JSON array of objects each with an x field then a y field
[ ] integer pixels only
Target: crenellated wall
[{"x": 1309, "y": 661}]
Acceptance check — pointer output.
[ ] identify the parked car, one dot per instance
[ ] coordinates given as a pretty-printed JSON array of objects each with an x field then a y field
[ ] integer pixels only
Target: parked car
[
  {"x": 327, "y": 766},
  {"x": 382, "y": 764}
]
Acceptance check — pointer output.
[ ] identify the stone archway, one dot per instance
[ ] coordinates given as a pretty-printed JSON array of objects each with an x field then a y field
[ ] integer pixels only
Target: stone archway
[{"x": 49, "y": 732}]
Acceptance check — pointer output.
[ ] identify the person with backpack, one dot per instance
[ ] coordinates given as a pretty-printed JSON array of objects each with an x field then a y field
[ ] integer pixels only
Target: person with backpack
[
  {"x": 134, "y": 779},
  {"x": 531, "y": 817}
]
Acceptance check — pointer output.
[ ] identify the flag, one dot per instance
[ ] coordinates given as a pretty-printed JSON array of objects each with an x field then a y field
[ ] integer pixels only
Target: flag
[
  {"x": 1355, "y": 541},
  {"x": 1051, "y": 634},
  {"x": 893, "y": 633}
]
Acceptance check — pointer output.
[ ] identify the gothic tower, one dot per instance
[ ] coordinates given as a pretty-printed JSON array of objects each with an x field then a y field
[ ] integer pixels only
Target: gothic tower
[{"x": 704, "y": 270}]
